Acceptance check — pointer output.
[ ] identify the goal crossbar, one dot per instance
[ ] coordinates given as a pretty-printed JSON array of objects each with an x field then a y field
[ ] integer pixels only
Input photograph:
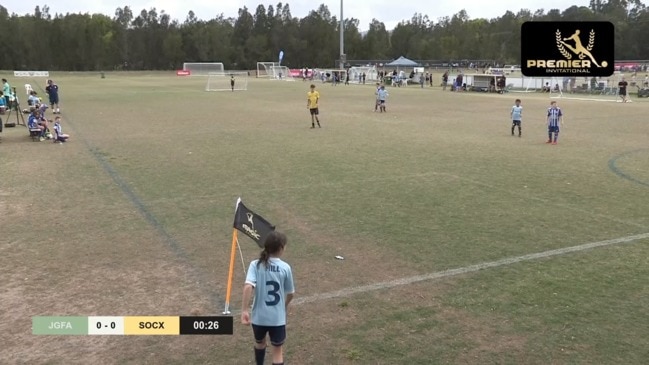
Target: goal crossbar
[{"x": 227, "y": 81}]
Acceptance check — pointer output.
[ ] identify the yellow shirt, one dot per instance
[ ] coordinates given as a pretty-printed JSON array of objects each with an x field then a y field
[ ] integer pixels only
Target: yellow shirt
[{"x": 312, "y": 97}]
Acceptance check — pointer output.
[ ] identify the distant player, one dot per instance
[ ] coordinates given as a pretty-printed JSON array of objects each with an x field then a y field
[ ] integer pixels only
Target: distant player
[
  {"x": 555, "y": 118},
  {"x": 622, "y": 89},
  {"x": 271, "y": 281},
  {"x": 376, "y": 93},
  {"x": 312, "y": 100},
  {"x": 517, "y": 115},
  {"x": 382, "y": 95},
  {"x": 232, "y": 82}
]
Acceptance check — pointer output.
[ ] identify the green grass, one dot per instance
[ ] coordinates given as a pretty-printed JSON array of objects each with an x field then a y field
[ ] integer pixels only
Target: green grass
[{"x": 133, "y": 217}]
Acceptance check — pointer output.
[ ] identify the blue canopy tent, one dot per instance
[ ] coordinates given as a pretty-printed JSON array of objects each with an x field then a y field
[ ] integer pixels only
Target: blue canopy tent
[{"x": 402, "y": 62}]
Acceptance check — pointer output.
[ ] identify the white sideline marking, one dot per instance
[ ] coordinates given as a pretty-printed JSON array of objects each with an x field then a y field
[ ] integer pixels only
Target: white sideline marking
[
  {"x": 583, "y": 99},
  {"x": 464, "y": 270}
]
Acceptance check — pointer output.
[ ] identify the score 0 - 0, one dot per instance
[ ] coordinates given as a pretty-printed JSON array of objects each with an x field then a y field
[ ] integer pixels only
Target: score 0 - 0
[{"x": 105, "y": 325}]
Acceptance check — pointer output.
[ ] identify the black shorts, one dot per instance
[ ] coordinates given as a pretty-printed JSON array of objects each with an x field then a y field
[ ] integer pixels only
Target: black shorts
[
  {"x": 623, "y": 92},
  {"x": 553, "y": 129},
  {"x": 277, "y": 334},
  {"x": 314, "y": 111},
  {"x": 516, "y": 122},
  {"x": 381, "y": 102}
]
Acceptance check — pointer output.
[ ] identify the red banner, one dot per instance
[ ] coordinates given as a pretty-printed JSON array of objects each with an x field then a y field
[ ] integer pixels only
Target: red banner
[{"x": 183, "y": 73}]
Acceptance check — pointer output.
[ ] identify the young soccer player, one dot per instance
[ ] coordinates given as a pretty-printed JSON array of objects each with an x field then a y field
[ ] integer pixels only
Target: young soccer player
[
  {"x": 312, "y": 100},
  {"x": 516, "y": 115},
  {"x": 382, "y": 94},
  {"x": 555, "y": 117},
  {"x": 271, "y": 279},
  {"x": 58, "y": 131},
  {"x": 376, "y": 93},
  {"x": 232, "y": 82},
  {"x": 36, "y": 121}
]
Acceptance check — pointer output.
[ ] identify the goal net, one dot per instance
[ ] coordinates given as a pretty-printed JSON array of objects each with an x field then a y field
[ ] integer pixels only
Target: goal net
[
  {"x": 224, "y": 81},
  {"x": 356, "y": 74},
  {"x": 584, "y": 88},
  {"x": 203, "y": 68},
  {"x": 279, "y": 73},
  {"x": 263, "y": 67}
]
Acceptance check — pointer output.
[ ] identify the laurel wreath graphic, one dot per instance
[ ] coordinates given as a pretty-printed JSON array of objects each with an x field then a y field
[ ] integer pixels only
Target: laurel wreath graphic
[
  {"x": 563, "y": 51},
  {"x": 591, "y": 40}
]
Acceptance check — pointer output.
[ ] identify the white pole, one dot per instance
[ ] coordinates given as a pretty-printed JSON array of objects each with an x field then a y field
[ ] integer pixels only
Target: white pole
[{"x": 342, "y": 39}]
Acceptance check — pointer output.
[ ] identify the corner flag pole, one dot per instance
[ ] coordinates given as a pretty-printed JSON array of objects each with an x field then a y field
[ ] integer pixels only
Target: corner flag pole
[{"x": 231, "y": 270}]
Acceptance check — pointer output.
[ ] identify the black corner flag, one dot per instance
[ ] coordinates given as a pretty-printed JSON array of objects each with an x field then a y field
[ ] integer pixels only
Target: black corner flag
[{"x": 252, "y": 224}]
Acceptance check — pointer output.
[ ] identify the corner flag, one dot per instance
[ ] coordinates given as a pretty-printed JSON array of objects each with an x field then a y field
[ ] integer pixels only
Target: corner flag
[{"x": 252, "y": 224}]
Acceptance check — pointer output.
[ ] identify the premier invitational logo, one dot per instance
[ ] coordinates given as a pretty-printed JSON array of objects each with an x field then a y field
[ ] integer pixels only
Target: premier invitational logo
[
  {"x": 587, "y": 51},
  {"x": 250, "y": 229}
]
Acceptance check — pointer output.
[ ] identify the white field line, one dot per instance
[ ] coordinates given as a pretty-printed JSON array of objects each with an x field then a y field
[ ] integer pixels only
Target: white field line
[{"x": 464, "y": 270}]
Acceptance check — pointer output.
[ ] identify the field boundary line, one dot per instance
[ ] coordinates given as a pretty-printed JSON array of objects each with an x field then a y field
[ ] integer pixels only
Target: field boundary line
[
  {"x": 197, "y": 276},
  {"x": 464, "y": 270}
]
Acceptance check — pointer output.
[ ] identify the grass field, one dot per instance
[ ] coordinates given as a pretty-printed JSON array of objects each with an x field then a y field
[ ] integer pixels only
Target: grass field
[{"x": 133, "y": 217}]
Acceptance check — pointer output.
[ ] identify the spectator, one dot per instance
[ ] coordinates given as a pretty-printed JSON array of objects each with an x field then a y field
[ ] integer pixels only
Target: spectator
[
  {"x": 33, "y": 100},
  {"x": 6, "y": 90},
  {"x": 3, "y": 103},
  {"x": 52, "y": 91},
  {"x": 36, "y": 121}
]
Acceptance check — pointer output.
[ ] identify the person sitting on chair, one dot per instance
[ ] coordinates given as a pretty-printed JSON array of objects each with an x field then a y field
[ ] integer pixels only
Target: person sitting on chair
[
  {"x": 3, "y": 103},
  {"x": 35, "y": 121},
  {"x": 33, "y": 100}
]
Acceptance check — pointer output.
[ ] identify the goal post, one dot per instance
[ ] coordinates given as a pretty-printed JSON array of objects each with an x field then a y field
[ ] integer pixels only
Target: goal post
[
  {"x": 224, "y": 81},
  {"x": 279, "y": 73},
  {"x": 262, "y": 68},
  {"x": 590, "y": 89},
  {"x": 203, "y": 68},
  {"x": 356, "y": 74}
]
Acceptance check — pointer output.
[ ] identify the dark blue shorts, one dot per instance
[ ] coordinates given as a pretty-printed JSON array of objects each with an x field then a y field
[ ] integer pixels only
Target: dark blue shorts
[
  {"x": 516, "y": 122},
  {"x": 277, "y": 334},
  {"x": 314, "y": 111},
  {"x": 54, "y": 99},
  {"x": 553, "y": 129}
]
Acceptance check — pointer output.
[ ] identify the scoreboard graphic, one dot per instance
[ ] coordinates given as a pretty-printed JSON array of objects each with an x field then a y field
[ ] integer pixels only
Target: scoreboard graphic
[{"x": 133, "y": 325}]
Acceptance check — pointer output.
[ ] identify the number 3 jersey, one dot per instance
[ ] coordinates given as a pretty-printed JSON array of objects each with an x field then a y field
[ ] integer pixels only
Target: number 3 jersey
[{"x": 272, "y": 283}]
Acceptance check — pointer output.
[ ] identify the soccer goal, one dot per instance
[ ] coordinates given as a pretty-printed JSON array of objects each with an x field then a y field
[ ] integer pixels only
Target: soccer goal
[
  {"x": 280, "y": 73},
  {"x": 356, "y": 74},
  {"x": 589, "y": 89},
  {"x": 263, "y": 68},
  {"x": 524, "y": 84},
  {"x": 203, "y": 68},
  {"x": 222, "y": 81}
]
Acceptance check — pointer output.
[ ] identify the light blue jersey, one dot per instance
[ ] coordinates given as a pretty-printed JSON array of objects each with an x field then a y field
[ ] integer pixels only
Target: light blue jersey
[
  {"x": 382, "y": 94},
  {"x": 517, "y": 112},
  {"x": 271, "y": 284}
]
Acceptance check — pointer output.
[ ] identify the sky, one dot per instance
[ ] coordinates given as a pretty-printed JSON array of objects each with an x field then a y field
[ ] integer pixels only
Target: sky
[{"x": 389, "y": 12}]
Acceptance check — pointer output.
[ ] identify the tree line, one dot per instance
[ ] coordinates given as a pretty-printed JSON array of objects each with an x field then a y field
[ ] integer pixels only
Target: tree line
[{"x": 152, "y": 40}]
